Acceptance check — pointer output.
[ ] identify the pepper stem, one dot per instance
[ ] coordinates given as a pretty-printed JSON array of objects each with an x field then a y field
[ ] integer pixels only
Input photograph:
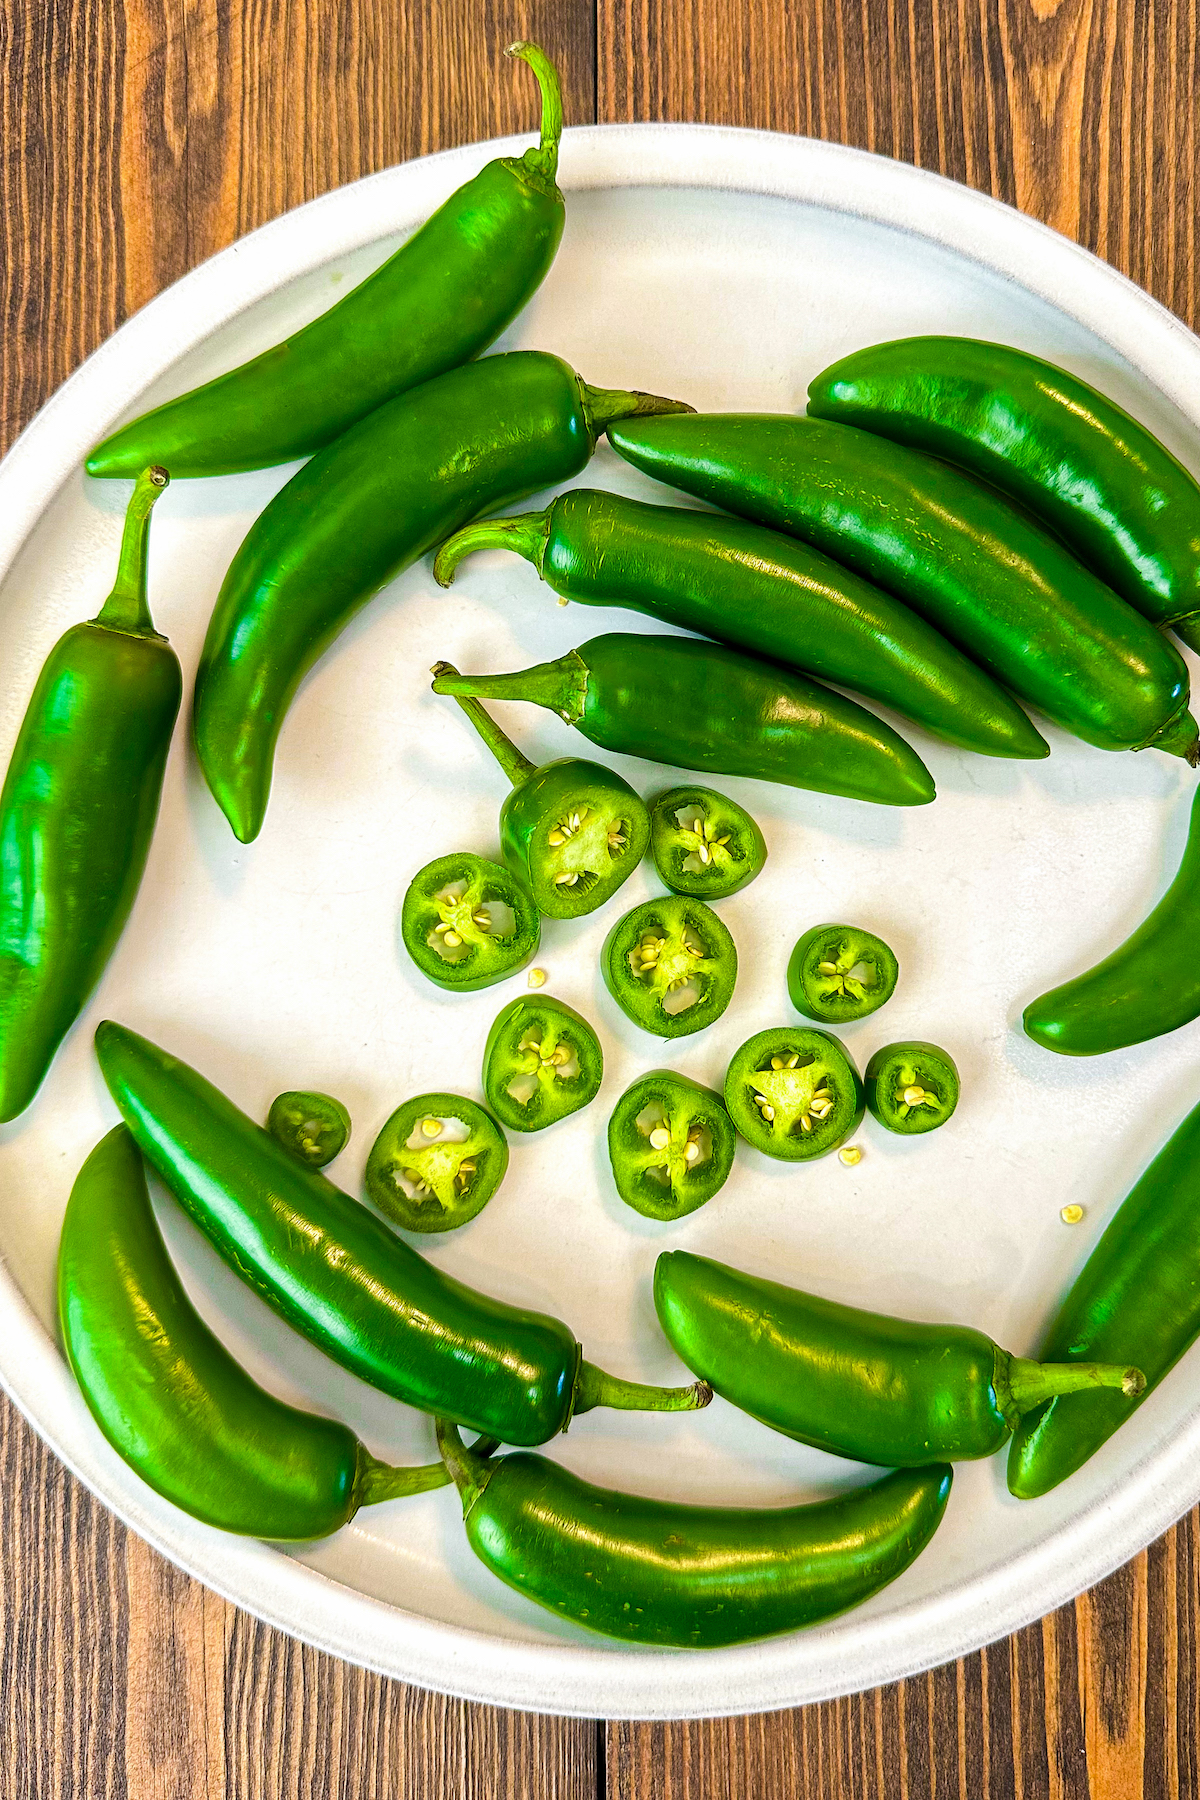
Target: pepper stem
[
  {"x": 527, "y": 534},
  {"x": 468, "y": 1469},
  {"x": 1029, "y": 1383},
  {"x": 1180, "y": 737},
  {"x": 383, "y": 1481},
  {"x": 126, "y": 608},
  {"x": 593, "y": 1387},
  {"x": 603, "y": 407},
  {"x": 544, "y": 160},
  {"x": 516, "y": 766},
  {"x": 561, "y": 686}
]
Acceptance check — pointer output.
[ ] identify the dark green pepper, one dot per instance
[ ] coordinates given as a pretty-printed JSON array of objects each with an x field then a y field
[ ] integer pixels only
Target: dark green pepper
[
  {"x": 427, "y": 1180},
  {"x": 670, "y": 1143},
  {"x": 670, "y": 965},
  {"x": 78, "y": 810},
  {"x": 859, "y": 1384},
  {"x": 657, "y": 1572},
  {"x": 343, "y": 1279},
  {"x": 541, "y": 1063},
  {"x": 839, "y": 973},
  {"x": 314, "y": 1127},
  {"x": 794, "y": 1093},
  {"x": 698, "y": 705},
  {"x": 911, "y": 1087},
  {"x": 169, "y": 1397},
  {"x": 454, "y": 928},
  {"x": 572, "y": 830},
  {"x": 703, "y": 843},
  {"x": 450, "y": 289}
]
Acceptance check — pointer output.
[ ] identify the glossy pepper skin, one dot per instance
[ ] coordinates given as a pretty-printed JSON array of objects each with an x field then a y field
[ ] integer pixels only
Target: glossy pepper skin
[
  {"x": 697, "y": 705},
  {"x": 663, "y": 949},
  {"x": 794, "y": 1093},
  {"x": 366, "y": 506},
  {"x": 820, "y": 978},
  {"x": 169, "y": 1397},
  {"x": 437, "y": 302},
  {"x": 314, "y": 1127},
  {"x": 658, "y": 1572},
  {"x": 1140, "y": 1285},
  {"x": 452, "y": 898},
  {"x": 1098, "y": 478},
  {"x": 761, "y": 592},
  {"x": 341, "y": 1278},
  {"x": 993, "y": 580},
  {"x": 452, "y": 1179},
  {"x": 541, "y": 1063},
  {"x": 859, "y": 1384},
  {"x": 668, "y": 1164},
  {"x": 703, "y": 843},
  {"x": 1148, "y": 986},
  {"x": 78, "y": 809}
]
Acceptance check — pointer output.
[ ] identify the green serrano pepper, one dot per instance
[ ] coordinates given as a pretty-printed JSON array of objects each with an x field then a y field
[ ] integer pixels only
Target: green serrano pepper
[
  {"x": 335, "y": 1272},
  {"x": 366, "y": 506},
  {"x": 762, "y": 592},
  {"x": 657, "y": 1572},
  {"x": 443, "y": 297}
]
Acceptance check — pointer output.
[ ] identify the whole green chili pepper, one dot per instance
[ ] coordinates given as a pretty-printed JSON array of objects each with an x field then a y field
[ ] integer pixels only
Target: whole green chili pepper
[
  {"x": 670, "y": 1143},
  {"x": 859, "y": 1384},
  {"x": 366, "y": 506},
  {"x": 911, "y": 1087},
  {"x": 336, "y": 1273},
  {"x": 1098, "y": 478},
  {"x": 1148, "y": 986},
  {"x": 994, "y": 581},
  {"x": 793, "y": 1092},
  {"x": 169, "y": 1397},
  {"x": 437, "y": 302},
  {"x": 78, "y": 809},
  {"x": 541, "y": 1063},
  {"x": 427, "y": 1181},
  {"x": 698, "y": 705},
  {"x": 670, "y": 965},
  {"x": 572, "y": 830},
  {"x": 761, "y": 592},
  {"x": 821, "y": 978},
  {"x": 1140, "y": 1286},
  {"x": 452, "y": 926},
  {"x": 658, "y": 1572},
  {"x": 703, "y": 843},
  {"x": 314, "y": 1127}
]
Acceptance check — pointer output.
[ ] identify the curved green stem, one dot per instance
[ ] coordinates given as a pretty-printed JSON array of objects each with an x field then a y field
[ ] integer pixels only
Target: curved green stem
[
  {"x": 126, "y": 608},
  {"x": 383, "y": 1481},
  {"x": 603, "y": 407},
  {"x": 515, "y": 764},
  {"x": 1030, "y": 1383},
  {"x": 561, "y": 686},
  {"x": 593, "y": 1387},
  {"x": 543, "y": 160},
  {"x": 527, "y": 534},
  {"x": 469, "y": 1470},
  {"x": 1180, "y": 736}
]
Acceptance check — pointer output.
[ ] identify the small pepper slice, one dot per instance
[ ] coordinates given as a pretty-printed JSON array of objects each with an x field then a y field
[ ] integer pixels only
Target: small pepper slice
[
  {"x": 452, "y": 927},
  {"x": 542, "y": 1062},
  {"x": 670, "y": 965},
  {"x": 839, "y": 973},
  {"x": 314, "y": 1127},
  {"x": 426, "y": 1180},
  {"x": 670, "y": 1142},
  {"x": 793, "y": 1093},
  {"x": 703, "y": 843},
  {"x": 911, "y": 1087}
]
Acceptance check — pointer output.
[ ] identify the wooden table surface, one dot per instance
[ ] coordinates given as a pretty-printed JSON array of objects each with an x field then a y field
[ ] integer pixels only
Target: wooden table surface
[{"x": 138, "y": 137}]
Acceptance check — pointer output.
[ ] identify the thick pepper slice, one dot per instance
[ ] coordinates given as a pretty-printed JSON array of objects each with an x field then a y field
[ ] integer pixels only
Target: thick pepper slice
[
  {"x": 703, "y": 843},
  {"x": 436, "y": 1163},
  {"x": 839, "y": 973},
  {"x": 911, "y": 1087},
  {"x": 670, "y": 965},
  {"x": 670, "y": 1143},
  {"x": 314, "y": 1127},
  {"x": 794, "y": 1093},
  {"x": 541, "y": 1063},
  {"x": 455, "y": 922}
]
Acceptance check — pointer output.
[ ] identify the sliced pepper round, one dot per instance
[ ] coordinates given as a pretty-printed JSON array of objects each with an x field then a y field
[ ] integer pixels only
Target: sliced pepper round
[
  {"x": 670, "y": 965},
  {"x": 426, "y": 1176},
  {"x": 839, "y": 973},
  {"x": 455, "y": 922},
  {"x": 793, "y": 1093},
  {"x": 314, "y": 1127},
  {"x": 703, "y": 843},
  {"x": 670, "y": 1142},
  {"x": 911, "y": 1087},
  {"x": 575, "y": 831},
  {"x": 541, "y": 1063}
]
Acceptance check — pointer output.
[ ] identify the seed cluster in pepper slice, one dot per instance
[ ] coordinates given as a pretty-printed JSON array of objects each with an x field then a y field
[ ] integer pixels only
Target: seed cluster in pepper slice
[
  {"x": 426, "y": 1176},
  {"x": 670, "y": 1143},
  {"x": 455, "y": 922},
  {"x": 670, "y": 965},
  {"x": 703, "y": 843},
  {"x": 541, "y": 1063},
  {"x": 794, "y": 1093}
]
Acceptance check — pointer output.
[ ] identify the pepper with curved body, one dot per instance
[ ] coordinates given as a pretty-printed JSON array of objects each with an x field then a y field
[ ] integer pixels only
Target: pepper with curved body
[
  {"x": 314, "y": 1127},
  {"x": 698, "y": 705},
  {"x": 452, "y": 926},
  {"x": 821, "y": 978},
  {"x": 858, "y": 1384},
  {"x": 169, "y": 1397},
  {"x": 436, "y": 1183},
  {"x": 339, "y": 1276},
  {"x": 993, "y": 580},
  {"x": 78, "y": 810},
  {"x": 443, "y": 297},
  {"x": 670, "y": 965},
  {"x": 658, "y": 1572},
  {"x": 794, "y": 1093},
  {"x": 671, "y": 1145},
  {"x": 365, "y": 507},
  {"x": 541, "y": 1063},
  {"x": 703, "y": 843}
]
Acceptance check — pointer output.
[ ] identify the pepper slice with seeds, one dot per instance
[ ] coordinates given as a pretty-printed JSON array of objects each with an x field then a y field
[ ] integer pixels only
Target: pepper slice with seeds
[
  {"x": 793, "y": 1093},
  {"x": 314, "y": 1127},
  {"x": 541, "y": 1063},
  {"x": 670, "y": 965},
  {"x": 670, "y": 1142},
  {"x": 703, "y": 843},
  {"x": 436, "y": 1163},
  {"x": 839, "y": 973},
  {"x": 911, "y": 1087},
  {"x": 467, "y": 922}
]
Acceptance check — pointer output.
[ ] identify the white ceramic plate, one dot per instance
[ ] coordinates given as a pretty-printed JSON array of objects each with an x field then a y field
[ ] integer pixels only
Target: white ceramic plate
[{"x": 724, "y": 267}]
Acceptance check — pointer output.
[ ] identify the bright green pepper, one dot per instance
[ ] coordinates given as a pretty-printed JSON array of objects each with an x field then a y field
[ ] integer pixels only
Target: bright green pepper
[
  {"x": 437, "y": 302},
  {"x": 426, "y": 1180},
  {"x": 454, "y": 929},
  {"x": 670, "y": 1143},
  {"x": 839, "y": 973},
  {"x": 343, "y": 1279},
  {"x": 541, "y": 1063},
  {"x": 657, "y": 1572},
  {"x": 314, "y": 1127},
  {"x": 859, "y": 1384},
  {"x": 169, "y": 1397},
  {"x": 670, "y": 965},
  {"x": 794, "y": 1093},
  {"x": 703, "y": 843},
  {"x": 911, "y": 1087}
]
